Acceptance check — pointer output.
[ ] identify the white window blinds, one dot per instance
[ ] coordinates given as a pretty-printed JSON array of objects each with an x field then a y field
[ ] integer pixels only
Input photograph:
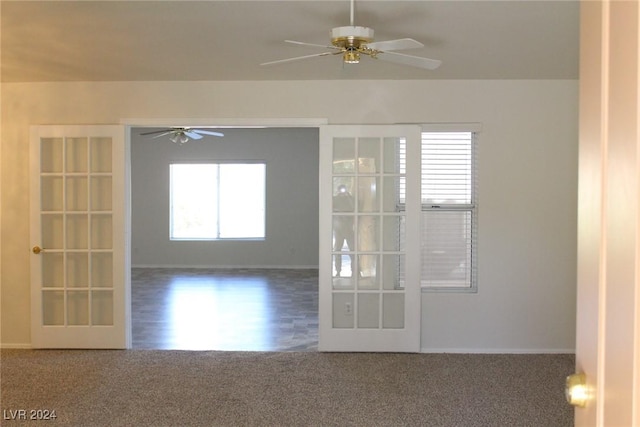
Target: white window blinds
[{"x": 449, "y": 203}]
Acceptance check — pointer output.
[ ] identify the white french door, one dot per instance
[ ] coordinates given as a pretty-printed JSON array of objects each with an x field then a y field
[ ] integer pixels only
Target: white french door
[
  {"x": 369, "y": 273},
  {"x": 78, "y": 237}
]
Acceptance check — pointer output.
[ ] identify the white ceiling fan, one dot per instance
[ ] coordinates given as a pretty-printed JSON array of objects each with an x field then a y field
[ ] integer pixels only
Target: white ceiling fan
[
  {"x": 353, "y": 41},
  {"x": 182, "y": 134}
]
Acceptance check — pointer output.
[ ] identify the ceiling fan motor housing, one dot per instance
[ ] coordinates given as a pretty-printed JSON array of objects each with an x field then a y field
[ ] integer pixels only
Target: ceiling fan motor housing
[{"x": 351, "y": 37}]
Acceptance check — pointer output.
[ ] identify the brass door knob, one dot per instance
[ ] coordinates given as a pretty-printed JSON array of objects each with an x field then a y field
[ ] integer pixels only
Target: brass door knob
[
  {"x": 36, "y": 250},
  {"x": 576, "y": 390}
]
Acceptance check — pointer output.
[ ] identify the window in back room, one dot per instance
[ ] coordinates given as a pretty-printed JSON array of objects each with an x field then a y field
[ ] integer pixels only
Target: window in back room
[{"x": 216, "y": 201}]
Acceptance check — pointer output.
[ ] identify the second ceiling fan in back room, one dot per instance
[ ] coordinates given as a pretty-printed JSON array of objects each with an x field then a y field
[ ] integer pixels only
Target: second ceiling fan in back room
[
  {"x": 182, "y": 134},
  {"x": 353, "y": 41}
]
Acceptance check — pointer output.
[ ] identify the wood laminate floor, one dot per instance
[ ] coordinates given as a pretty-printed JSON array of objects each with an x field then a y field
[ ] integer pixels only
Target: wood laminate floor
[{"x": 225, "y": 309}]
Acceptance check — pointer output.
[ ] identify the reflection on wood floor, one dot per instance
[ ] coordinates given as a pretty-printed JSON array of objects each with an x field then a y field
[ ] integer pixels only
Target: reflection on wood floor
[{"x": 225, "y": 309}]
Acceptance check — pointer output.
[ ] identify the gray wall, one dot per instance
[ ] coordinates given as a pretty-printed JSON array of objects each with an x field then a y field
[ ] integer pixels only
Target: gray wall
[
  {"x": 291, "y": 157},
  {"x": 528, "y": 184}
]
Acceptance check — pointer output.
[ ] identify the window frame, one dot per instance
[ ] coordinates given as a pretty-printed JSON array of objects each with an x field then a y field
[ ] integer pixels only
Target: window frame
[
  {"x": 218, "y": 237},
  {"x": 472, "y": 207}
]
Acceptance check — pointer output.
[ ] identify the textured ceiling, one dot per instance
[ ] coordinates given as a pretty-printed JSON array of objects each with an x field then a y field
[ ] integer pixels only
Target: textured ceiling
[{"x": 227, "y": 40}]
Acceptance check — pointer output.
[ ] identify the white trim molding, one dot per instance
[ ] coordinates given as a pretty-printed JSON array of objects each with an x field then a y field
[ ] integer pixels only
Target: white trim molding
[
  {"x": 228, "y": 122},
  {"x": 16, "y": 346},
  {"x": 499, "y": 350}
]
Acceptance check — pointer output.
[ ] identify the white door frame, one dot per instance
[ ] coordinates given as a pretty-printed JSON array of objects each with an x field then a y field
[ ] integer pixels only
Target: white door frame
[{"x": 168, "y": 122}]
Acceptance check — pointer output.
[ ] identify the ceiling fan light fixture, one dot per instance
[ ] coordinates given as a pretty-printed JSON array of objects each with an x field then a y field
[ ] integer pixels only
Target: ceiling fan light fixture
[
  {"x": 182, "y": 134},
  {"x": 179, "y": 137},
  {"x": 351, "y": 57},
  {"x": 352, "y": 41}
]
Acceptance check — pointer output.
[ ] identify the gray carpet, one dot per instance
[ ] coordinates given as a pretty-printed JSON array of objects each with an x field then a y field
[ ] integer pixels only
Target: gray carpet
[{"x": 179, "y": 388}]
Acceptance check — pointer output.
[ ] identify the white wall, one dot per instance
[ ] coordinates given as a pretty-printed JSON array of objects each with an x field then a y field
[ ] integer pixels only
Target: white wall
[
  {"x": 291, "y": 157},
  {"x": 528, "y": 184}
]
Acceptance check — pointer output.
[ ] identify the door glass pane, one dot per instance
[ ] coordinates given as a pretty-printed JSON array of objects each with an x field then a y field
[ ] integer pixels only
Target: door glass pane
[
  {"x": 78, "y": 307},
  {"x": 102, "y": 308},
  {"x": 368, "y": 233},
  {"x": 100, "y": 154},
  {"x": 393, "y": 156},
  {"x": 343, "y": 233},
  {"x": 52, "y": 231},
  {"x": 368, "y": 155},
  {"x": 101, "y": 232},
  {"x": 393, "y": 229},
  {"x": 77, "y": 270},
  {"x": 369, "y": 272},
  {"x": 77, "y": 235},
  {"x": 52, "y": 270},
  {"x": 76, "y": 154},
  {"x": 368, "y": 310},
  {"x": 53, "y": 308},
  {"x": 368, "y": 194},
  {"x": 101, "y": 193},
  {"x": 393, "y": 310},
  {"x": 343, "y": 267},
  {"x": 393, "y": 193},
  {"x": 51, "y": 155},
  {"x": 344, "y": 155},
  {"x": 392, "y": 271},
  {"x": 343, "y": 200},
  {"x": 343, "y": 309},
  {"x": 76, "y": 199},
  {"x": 101, "y": 270},
  {"x": 51, "y": 193}
]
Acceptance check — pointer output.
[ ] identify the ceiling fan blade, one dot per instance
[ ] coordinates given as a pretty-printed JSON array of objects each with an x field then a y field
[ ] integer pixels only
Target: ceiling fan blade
[
  {"x": 192, "y": 134},
  {"x": 157, "y": 131},
  {"x": 414, "y": 61},
  {"x": 207, "y": 132},
  {"x": 298, "y": 58},
  {"x": 313, "y": 45},
  {"x": 395, "y": 44},
  {"x": 160, "y": 135}
]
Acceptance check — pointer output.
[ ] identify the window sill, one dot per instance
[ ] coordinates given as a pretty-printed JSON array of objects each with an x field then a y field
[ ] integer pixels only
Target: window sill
[
  {"x": 230, "y": 239},
  {"x": 448, "y": 289}
]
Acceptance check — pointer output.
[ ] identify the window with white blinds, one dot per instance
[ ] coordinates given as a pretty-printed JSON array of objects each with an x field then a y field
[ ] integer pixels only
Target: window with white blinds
[{"x": 449, "y": 217}]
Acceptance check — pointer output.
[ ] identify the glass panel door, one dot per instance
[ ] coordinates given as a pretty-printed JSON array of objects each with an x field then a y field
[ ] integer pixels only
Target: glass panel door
[
  {"x": 366, "y": 302},
  {"x": 78, "y": 274}
]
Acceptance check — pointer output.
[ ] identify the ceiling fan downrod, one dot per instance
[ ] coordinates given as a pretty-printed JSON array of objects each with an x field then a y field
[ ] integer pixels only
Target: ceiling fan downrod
[{"x": 351, "y": 20}]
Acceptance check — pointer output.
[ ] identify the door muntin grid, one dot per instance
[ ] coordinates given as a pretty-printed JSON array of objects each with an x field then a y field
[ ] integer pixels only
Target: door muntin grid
[
  {"x": 368, "y": 251},
  {"x": 76, "y": 231}
]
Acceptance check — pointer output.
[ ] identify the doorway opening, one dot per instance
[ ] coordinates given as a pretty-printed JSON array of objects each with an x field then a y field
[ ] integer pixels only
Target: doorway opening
[{"x": 227, "y": 294}]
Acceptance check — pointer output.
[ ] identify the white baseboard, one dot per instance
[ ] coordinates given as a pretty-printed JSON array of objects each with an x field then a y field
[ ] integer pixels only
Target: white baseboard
[
  {"x": 500, "y": 350},
  {"x": 23, "y": 346},
  {"x": 248, "y": 267}
]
